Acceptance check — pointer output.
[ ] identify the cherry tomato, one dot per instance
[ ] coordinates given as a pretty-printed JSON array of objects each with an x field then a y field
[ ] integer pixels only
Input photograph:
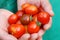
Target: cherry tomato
[
  {"x": 35, "y": 17},
  {"x": 12, "y": 19},
  {"x": 18, "y": 22},
  {"x": 32, "y": 27},
  {"x": 16, "y": 30},
  {"x": 19, "y": 13},
  {"x": 25, "y": 6},
  {"x": 31, "y": 10},
  {"x": 25, "y": 19},
  {"x": 43, "y": 17}
]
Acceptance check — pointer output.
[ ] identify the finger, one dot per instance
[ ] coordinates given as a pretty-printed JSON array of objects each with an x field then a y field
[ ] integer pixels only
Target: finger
[
  {"x": 34, "y": 36},
  {"x": 25, "y": 37},
  {"x": 40, "y": 38},
  {"x": 47, "y": 6},
  {"x": 4, "y": 15},
  {"x": 6, "y": 36},
  {"x": 19, "y": 3},
  {"x": 47, "y": 26},
  {"x": 41, "y": 32},
  {"x": 34, "y": 2}
]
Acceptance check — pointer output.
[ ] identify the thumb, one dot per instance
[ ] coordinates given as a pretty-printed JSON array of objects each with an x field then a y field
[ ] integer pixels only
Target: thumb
[
  {"x": 6, "y": 36},
  {"x": 47, "y": 6}
]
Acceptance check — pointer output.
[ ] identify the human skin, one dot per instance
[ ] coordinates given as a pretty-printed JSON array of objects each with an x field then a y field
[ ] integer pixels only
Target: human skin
[{"x": 4, "y": 15}]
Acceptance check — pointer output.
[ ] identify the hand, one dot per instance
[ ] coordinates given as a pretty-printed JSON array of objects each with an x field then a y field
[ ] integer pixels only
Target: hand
[
  {"x": 4, "y": 24},
  {"x": 47, "y": 7},
  {"x": 4, "y": 15}
]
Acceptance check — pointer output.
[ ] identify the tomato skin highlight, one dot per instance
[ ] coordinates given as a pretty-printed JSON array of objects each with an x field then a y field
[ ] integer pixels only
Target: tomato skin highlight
[
  {"x": 25, "y": 19},
  {"x": 43, "y": 17},
  {"x": 19, "y": 13},
  {"x": 33, "y": 28},
  {"x": 25, "y": 6},
  {"x": 16, "y": 30},
  {"x": 31, "y": 10},
  {"x": 12, "y": 19}
]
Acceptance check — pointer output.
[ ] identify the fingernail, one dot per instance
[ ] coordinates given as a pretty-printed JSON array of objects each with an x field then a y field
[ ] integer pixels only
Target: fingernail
[
  {"x": 26, "y": 36},
  {"x": 34, "y": 36}
]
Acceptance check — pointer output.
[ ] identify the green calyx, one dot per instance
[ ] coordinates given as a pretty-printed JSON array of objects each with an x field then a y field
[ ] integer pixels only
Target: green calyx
[
  {"x": 31, "y": 18},
  {"x": 38, "y": 23}
]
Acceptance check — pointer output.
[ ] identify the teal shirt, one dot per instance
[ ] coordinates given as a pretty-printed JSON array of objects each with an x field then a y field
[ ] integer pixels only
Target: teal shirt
[{"x": 54, "y": 32}]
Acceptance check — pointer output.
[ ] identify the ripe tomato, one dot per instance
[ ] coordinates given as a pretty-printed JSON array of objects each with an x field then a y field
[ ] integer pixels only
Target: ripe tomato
[
  {"x": 43, "y": 17},
  {"x": 25, "y": 19},
  {"x": 35, "y": 17},
  {"x": 12, "y": 19},
  {"x": 25, "y": 6},
  {"x": 18, "y": 22},
  {"x": 19, "y": 13},
  {"x": 32, "y": 27},
  {"x": 16, "y": 30},
  {"x": 31, "y": 10}
]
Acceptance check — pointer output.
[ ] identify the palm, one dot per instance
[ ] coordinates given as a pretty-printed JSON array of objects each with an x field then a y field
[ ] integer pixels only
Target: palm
[{"x": 4, "y": 24}]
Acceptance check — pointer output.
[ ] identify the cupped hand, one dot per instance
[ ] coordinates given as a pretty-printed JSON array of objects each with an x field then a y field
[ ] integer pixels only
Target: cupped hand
[
  {"x": 4, "y": 15},
  {"x": 47, "y": 7}
]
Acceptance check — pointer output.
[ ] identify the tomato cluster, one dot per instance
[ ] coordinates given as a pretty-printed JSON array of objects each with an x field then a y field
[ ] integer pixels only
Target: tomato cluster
[{"x": 29, "y": 20}]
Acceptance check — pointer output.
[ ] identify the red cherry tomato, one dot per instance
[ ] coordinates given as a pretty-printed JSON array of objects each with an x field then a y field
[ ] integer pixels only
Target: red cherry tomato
[
  {"x": 19, "y": 13},
  {"x": 25, "y": 6},
  {"x": 32, "y": 27},
  {"x": 18, "y": 22},
  {"x": 31, "y": 10},
  {"x": 43, "y": 17},
  {"x": 25, "y": 19},
  {"x": 35, "y": 17},
  {"x": 13, "y": 19},
  {"x": 16, "y": 30}
]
